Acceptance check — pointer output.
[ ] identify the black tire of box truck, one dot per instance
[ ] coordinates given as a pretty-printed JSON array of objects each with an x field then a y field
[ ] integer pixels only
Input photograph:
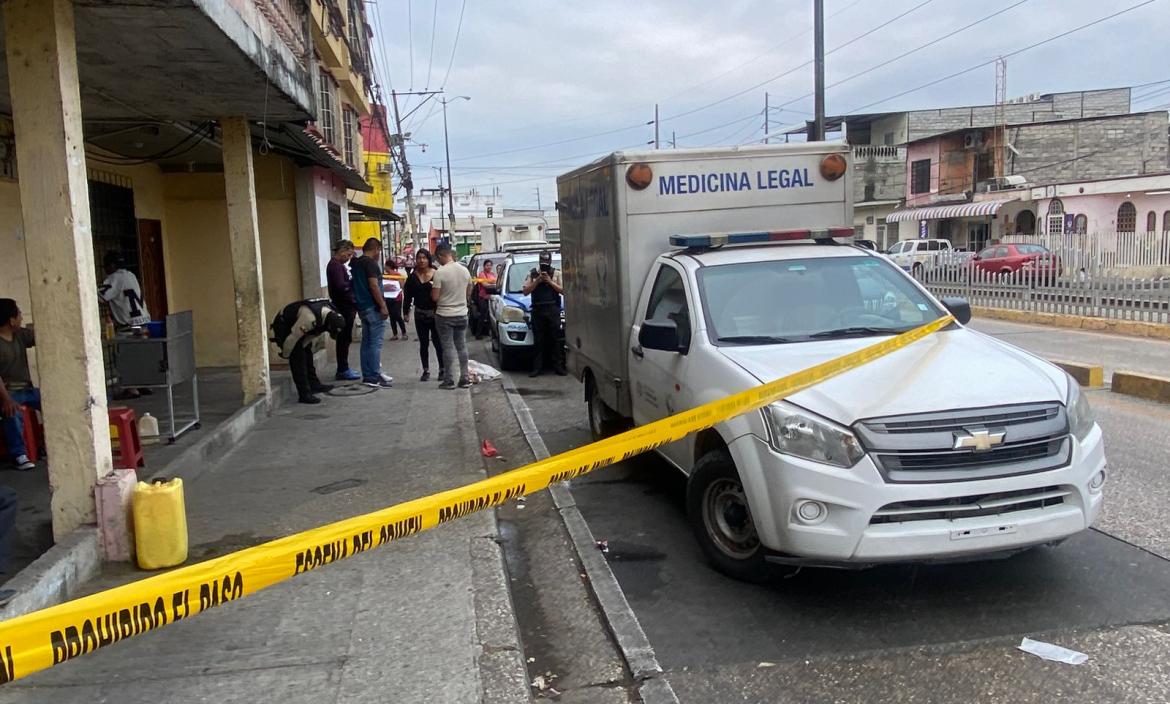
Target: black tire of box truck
[
  {"x": 718, "y": 512},
  {"x": 603, "y": 421}
]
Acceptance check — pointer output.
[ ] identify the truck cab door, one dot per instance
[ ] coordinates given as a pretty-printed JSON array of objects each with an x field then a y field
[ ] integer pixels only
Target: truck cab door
[{"x": 659, "y": 384}]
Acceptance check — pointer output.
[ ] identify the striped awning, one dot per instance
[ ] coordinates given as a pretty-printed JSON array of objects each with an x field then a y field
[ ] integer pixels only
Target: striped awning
[{"x": 940, "y": 212}]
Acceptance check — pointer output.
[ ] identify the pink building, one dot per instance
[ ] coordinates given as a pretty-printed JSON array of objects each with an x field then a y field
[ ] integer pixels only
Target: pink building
[{"x": 1124, "y": 204}]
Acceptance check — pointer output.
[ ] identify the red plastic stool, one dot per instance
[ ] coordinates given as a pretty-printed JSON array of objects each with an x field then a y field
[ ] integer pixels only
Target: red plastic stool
[
  {"x": 124, "y": 439},
  {"x": 34, "y": 435}
]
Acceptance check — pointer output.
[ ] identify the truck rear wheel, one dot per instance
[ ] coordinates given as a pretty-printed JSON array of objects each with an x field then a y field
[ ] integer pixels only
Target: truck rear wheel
[
  {"x": 718, "y": 512},
  {"x": 603, "y": 422}
]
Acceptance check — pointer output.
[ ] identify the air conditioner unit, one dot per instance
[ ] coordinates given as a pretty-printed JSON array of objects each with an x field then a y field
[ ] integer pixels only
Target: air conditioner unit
[
  {"x": 1015, "y": 181},
  {"x": 384, "y": 168},
  {"x": 972, "y": 141}
]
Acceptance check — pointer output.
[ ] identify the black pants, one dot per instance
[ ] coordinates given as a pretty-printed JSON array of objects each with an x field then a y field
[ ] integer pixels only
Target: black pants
[
  {"x": 394, "y": 305},
  {"x": 424, "y": 329},
  {"x": 304, "y": 371},
  {"x": 345, "y": 338},
  {"x": 546, "y": 328},
  {"x": 482, "y": 323}
]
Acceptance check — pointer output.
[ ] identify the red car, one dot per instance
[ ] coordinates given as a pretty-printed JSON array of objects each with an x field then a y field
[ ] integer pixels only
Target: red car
[{"x": 1005, "y": 258}]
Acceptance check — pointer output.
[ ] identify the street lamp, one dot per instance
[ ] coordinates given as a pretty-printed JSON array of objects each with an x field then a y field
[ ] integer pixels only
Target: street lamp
[{"x": 447, "y": 149}]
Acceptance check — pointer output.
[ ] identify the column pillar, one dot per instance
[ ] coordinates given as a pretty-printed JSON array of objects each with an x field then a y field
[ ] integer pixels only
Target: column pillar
[
  {"x": 309, "y": 234},
  {"x": 54, "y": 199},
  {"x": 244, "y": 235}
]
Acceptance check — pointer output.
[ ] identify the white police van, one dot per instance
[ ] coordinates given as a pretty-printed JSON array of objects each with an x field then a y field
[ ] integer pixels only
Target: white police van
[{"x": 691, "y": 275}]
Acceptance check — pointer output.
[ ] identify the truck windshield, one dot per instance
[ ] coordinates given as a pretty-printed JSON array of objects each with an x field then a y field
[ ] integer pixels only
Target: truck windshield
[
  {"x": 518, "y": 271},
  {"x": 795, "y": 300}
]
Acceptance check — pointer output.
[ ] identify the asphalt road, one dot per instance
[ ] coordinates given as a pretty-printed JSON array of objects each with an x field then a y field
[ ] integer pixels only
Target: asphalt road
[{"x": 903, "y": 633}]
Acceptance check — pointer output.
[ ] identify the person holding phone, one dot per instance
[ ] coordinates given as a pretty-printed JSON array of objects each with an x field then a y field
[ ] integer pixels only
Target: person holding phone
[{"x": 544, "y": 287}]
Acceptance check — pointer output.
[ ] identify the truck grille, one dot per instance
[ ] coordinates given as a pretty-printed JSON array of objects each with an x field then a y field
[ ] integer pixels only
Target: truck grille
[
  {"x": 971, "y": 506},
  {"x": 944, "y": 447},
  {"x": 994, "y": 504}
]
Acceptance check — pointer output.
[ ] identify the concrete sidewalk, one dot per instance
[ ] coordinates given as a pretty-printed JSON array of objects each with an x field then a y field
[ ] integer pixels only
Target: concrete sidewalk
[{"x": 428, "y": 619}]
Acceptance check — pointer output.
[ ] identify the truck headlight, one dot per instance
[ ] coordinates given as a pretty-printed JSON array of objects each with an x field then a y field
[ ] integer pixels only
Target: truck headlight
[
  {"x": 512, "y": 314},
  {"x": 1080, "y": 415},
  {"x": 795, "y": 431}
]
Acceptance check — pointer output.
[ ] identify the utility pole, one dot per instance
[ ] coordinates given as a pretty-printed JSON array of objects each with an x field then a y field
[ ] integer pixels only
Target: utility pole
[
  {"x": 538, "y": 200},
  {"x": 447, "y": 150},
  {"x": 673, "y": 140},
  {"x": 767, "y": 117},
  {"x": 656, "y": 125},
  {"x": 818, "y": 130},
  {"x": 407, "y": 181}
]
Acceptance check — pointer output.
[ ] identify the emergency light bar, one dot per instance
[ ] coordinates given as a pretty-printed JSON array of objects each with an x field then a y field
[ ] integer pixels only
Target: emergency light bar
[{"x": 755, "y": 237}]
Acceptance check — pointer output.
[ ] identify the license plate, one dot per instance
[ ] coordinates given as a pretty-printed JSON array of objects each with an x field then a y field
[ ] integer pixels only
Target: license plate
[{"x": 983, "y": 532}]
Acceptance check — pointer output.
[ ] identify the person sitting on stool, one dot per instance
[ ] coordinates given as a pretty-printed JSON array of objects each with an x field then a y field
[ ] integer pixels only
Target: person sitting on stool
[
  {"x": 295, "y": 330},
  {"x": 544, "y": 285}
]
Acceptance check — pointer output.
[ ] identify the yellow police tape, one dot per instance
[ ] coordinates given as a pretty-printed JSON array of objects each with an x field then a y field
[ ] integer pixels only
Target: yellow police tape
[{"x": 59, "y": 633}]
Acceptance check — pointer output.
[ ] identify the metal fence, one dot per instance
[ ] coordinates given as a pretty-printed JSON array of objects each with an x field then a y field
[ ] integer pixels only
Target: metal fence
[
  {"x": 1106, "y": 250},
  {"x": 1070, "y": 291}
]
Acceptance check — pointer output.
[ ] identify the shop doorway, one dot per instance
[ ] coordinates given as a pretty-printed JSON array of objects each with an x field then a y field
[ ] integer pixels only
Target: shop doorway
[{"x": 154, "y": 279}]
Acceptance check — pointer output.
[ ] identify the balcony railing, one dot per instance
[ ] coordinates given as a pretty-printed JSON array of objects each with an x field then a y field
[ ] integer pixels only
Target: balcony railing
[
  {"x": 287, "y": 18},
  {"x": 880, "y": 152}
]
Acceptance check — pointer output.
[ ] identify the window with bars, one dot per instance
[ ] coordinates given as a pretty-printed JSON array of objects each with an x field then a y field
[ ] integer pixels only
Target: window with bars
[
  {"x": 1056, "y": 217},
  {"x": 348, "y": 124},
  {"x": 920, "y": 176},
  {"x": 1151, "y": 221},
  {"x": 1126, "y": 218},
  {"x": 327, "y": 109}
]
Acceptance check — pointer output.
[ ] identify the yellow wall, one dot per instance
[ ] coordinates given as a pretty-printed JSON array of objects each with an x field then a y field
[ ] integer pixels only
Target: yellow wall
[
  {"x": 199, "y": 269},
  {"x": 382, "y": 197}
]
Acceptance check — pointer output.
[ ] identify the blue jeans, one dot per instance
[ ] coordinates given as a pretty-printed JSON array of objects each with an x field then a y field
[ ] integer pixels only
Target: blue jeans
[
  {"x": 373, "y": 328},
  {"x": 14, "y": 426}
]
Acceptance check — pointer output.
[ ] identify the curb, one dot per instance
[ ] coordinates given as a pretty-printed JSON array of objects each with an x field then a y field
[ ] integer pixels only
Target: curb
[
  {"x": 1133, "y": 328},
  {"x": 55, "y": 576},
  {"x": 623, "y": 623},
  {"x": 1147, "y": 386},
  {"x": 1089, "y": 375}
]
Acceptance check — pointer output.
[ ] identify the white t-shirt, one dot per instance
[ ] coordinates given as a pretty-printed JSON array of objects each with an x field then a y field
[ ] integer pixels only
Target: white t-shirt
[
  {"x": 451, "y": 281},
  {"x": 121, "y": 291}
]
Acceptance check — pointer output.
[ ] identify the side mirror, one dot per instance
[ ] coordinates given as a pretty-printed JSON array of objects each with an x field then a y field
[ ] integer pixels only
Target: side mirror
[
  {"x": 660, "y": 334},
  {"x": 959, "y": 308}
]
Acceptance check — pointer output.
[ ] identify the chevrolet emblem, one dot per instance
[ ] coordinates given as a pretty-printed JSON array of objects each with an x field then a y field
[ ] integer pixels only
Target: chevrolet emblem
[{"x": 979, "y": 440}]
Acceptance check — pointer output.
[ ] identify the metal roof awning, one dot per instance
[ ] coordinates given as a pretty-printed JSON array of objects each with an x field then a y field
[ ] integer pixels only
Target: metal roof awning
[
  {"x": 369, "y": 213},
  {"x": 942, "y": 212}
]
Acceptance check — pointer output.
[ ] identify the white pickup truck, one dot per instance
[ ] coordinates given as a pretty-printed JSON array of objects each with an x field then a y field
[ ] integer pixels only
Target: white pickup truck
[{"x": 694, "y": 274}]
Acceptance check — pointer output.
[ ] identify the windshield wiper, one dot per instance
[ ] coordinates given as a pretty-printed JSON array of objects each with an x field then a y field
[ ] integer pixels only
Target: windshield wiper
[
  {"x": 754, "y": 339},
  {"x": 857, "y": 331}
]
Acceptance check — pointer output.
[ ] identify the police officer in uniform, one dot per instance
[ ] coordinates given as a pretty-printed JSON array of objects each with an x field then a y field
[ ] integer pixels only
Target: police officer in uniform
[
  {"x": 544, "y": 286},
  {"x": 295, "y": 330}
]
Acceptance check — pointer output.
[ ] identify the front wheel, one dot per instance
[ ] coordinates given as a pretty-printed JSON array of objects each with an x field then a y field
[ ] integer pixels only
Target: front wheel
[
  {"x": 507, "y": 357},
  {"x": 721, "y": 519}
]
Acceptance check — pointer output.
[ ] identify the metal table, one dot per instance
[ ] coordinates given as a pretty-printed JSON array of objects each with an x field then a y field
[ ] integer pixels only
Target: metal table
[{"x": 162, "y": 363}]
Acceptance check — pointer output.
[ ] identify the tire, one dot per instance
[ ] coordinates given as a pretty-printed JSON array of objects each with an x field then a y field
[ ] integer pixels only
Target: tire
[
  {"x": 603, "y": 421},
  {"x": 508, "y": 359},
  {"x": 721, "y": 520}
]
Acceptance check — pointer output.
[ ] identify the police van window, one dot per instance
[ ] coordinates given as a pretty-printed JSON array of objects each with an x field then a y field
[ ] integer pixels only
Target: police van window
[{"x": 668, "y": 300}]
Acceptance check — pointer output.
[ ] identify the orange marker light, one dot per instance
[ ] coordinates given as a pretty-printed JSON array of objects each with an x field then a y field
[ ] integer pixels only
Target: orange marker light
[
  {"x": 639, "y": 176},
  {"x": 833, "y": 167}
]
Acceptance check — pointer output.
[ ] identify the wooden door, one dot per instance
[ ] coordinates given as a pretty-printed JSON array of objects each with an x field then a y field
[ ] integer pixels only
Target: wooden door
[{"x": 154, "y": 279}]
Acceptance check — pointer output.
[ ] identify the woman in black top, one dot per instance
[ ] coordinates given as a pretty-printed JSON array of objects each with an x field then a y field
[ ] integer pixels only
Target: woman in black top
[{"x": 418, "y": 292}]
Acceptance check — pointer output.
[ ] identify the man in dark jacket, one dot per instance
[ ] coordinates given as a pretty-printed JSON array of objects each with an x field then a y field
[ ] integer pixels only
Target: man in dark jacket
[
  {"x": 294, "y": 330},
  {"x": 544, "y": 286},
  {"x": 341, "y": 295}
]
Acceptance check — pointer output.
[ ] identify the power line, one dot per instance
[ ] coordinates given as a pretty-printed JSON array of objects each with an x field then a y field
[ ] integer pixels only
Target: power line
[
  {"x": 455, "y": 44},
  {"x": 915, "y": 50},
  {"x": 753, "y": 116},
  {"x": 431, "y": 63},
  {"x": 1009, "y": 54},
  {"x": 794, "y": 69}
]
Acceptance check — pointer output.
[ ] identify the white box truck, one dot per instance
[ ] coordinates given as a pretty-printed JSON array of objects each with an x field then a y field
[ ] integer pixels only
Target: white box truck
[
  {"x": 691, "y": 275},
  {"x": 495, "y": 235}
]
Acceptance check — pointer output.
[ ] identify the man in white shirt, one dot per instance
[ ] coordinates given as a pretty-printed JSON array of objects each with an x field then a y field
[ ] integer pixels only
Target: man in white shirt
[
  {"x": 122, "y": 293},
  {"x": 449, "y": 291}
]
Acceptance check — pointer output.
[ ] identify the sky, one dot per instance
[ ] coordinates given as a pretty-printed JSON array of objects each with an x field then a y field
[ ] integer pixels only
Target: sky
[{"x": 554, "y": 85}]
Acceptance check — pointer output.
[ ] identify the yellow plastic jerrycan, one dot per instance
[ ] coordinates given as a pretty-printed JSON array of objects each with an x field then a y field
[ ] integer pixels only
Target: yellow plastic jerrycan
[{"x": 160, "y": 524}]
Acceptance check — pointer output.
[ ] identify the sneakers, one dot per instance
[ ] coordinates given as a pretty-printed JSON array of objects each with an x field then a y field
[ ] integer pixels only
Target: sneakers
[
  {"x": 379, "y": 383},
  {"x": 348, "y": 375},
  {"x": 426, "y": 376},
  {"x": 465, "y": 383},
  {"x": 309, "y": 399},
  {"x": 387, "y": 378},
  {"x": 535, "y": 372},
  {"x": 23, "y": 463},
  {"x": 447, "y": 385}
]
